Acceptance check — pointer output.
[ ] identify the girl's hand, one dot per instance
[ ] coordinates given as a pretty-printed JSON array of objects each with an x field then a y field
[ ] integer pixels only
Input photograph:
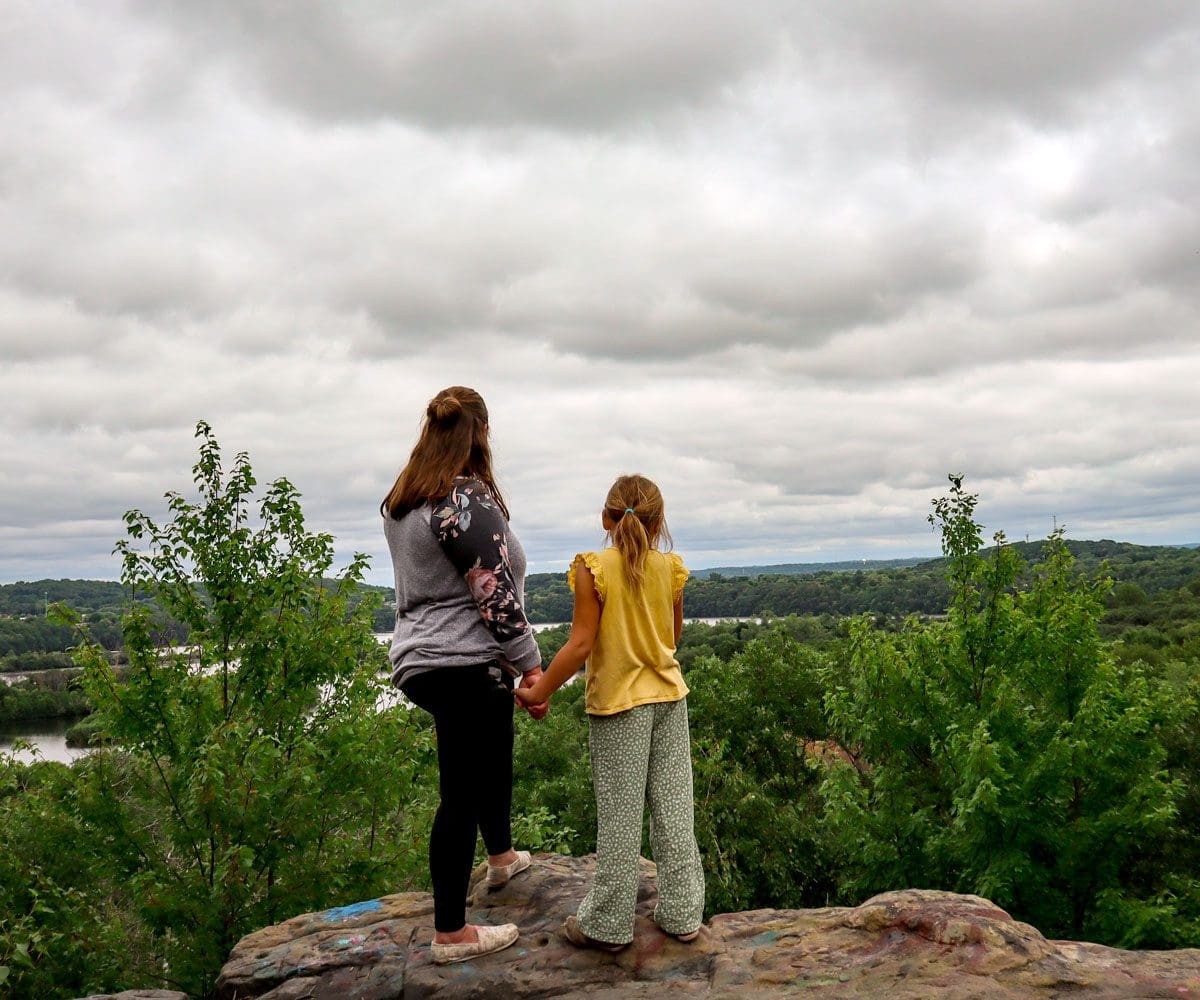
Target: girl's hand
[
  {"x": 523, "y": 695},
  {"x": 524, "y": 698},
  {"x": 537, "y": 688}
]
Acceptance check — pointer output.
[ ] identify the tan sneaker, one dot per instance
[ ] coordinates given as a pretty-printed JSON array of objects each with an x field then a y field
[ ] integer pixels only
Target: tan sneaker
[
  {"x": 498, "y": 875},
  {"x": 574, "y": 933},
  {"x": 491, "y": 938}
]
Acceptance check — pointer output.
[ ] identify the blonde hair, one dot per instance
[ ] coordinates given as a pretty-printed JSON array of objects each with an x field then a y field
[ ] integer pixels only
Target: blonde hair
[
  {"x": 634, "y": 506},
  {"x": 453, "y": 442}
]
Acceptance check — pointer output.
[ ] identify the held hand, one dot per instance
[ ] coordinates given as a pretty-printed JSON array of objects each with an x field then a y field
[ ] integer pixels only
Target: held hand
[{"x": 523, "y": 695}]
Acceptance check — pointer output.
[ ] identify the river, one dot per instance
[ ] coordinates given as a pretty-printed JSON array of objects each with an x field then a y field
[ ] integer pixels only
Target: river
[{"x": 49, "y": 736}]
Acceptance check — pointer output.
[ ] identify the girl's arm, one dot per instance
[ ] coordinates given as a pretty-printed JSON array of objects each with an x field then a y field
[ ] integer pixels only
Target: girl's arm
[
  {"x": 578, "y": 647},
  {"x": 678, "y": 618}
]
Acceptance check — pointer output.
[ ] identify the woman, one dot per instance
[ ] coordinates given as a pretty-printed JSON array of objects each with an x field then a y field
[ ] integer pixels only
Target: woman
[{"x": 461, "y": 640}]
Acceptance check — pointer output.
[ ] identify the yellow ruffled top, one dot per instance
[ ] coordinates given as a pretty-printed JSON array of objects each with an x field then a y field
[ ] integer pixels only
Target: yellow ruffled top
[{"x": 633, "y": 659}]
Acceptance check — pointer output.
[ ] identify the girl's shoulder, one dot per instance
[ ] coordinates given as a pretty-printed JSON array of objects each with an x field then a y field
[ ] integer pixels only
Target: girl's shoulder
[
  {"x": 608, "y": 564},
  {"x": 599, "y": 564},
  {"x": 672, "y": 558},
  {"x": 679, "y": 573}
]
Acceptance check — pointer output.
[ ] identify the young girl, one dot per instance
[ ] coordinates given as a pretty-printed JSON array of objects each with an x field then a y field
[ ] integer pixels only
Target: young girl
[{"x": 628, "y": 615}]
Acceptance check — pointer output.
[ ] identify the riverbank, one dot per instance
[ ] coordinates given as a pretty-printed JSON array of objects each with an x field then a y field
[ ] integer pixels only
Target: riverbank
[{"x": 28, "y": 701}]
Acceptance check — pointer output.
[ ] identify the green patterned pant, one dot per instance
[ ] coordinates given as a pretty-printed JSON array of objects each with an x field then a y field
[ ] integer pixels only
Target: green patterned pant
[{"x": 641, "y": 754}]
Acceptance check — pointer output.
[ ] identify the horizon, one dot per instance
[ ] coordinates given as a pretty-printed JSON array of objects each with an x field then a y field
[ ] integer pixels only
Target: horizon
[{"x": 923, "y": 557}]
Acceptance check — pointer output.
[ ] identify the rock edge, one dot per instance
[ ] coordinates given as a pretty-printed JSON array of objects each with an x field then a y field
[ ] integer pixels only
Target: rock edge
[{"x": 909, "y": 945}]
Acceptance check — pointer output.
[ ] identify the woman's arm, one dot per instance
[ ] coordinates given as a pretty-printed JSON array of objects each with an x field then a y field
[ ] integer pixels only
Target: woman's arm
[
  {"x": 578, "y": 647},
  {"x": 678, "y": 618},
  {"x": 470, "y": 528}
]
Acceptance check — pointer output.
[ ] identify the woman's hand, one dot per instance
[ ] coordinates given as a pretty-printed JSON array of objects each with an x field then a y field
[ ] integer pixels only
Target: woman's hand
[{"x": 523, "y": 695}]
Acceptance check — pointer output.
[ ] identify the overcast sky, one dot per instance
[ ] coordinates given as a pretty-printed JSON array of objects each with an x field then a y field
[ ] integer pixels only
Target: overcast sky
[{"x": 795, "y": 262}]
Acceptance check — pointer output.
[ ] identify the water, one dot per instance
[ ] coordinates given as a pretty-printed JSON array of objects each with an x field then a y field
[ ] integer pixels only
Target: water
[
  {"x": 386, "y": 637},
  {"x": 14, "y": 677},
  {"x": 49, "y": 736}
]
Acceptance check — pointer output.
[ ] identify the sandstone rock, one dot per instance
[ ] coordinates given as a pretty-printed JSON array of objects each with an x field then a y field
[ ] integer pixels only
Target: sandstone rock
[
  {"x": 138, "y": 995},
  {"x": 909, "y": 945}
]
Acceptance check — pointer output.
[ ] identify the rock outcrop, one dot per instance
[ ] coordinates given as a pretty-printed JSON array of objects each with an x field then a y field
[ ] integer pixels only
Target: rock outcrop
[{"x": 908, "y": 945}]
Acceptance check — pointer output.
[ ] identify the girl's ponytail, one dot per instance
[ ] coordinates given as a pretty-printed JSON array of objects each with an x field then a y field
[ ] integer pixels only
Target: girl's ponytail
[
  {"x": 634, "y": 507},
  {"x": 630, "y": 538}
]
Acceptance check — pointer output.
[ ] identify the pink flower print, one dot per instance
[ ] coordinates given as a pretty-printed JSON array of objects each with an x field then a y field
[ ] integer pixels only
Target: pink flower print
[{"x": 482, "y": 583}]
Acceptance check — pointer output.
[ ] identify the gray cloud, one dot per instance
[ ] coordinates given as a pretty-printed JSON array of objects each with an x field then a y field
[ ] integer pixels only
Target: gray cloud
[
  {"x": 466, "y": 63},
  {"x": 1044, "y": 60},
  {"x": 795, "y": 262}
]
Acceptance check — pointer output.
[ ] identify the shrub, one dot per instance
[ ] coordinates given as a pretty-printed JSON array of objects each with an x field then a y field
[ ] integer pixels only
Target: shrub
[
  {"x": 1009, "y": 754},
  {"x": 757, "y": 808},
  {"x": 251, "y": 778}
]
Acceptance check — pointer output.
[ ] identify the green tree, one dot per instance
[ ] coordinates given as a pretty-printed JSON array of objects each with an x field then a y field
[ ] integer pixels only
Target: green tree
[
  {"x": 249, "y": 777},
  {"x": 755, "y": 720},
  {"x": 1006, "y": 752}
]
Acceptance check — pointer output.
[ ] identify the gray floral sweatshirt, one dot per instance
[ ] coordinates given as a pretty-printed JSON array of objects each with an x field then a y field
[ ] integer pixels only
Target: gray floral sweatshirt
[{"x": 460, "y": 586}]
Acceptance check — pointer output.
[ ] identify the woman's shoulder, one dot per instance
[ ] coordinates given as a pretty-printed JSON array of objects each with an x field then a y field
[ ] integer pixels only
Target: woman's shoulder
[
  {"x": 470, "y": 488},
  {"x": 451, "y": 515}
]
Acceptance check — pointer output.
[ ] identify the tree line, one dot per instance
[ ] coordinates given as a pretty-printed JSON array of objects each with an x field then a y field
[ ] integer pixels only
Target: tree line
[
  {"x": 881, "y": 589},
  {"x": 920, "y": 589}
]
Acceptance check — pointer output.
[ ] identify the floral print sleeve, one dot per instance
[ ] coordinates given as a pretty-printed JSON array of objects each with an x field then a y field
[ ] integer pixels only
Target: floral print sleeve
[{"x": 471, "y": 530}]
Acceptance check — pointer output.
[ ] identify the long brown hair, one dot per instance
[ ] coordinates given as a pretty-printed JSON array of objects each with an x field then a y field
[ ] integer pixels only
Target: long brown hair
[
  {"x": 634, "y": 506},
  {"x": 453, "y": 442}
]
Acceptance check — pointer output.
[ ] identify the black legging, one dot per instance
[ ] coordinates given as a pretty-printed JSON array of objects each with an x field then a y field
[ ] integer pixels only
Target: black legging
[{"x": 472, "y": 711}]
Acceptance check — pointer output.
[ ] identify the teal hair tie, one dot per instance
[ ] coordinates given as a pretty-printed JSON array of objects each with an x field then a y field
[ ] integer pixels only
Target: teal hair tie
[{"x": 628, "y": 510}]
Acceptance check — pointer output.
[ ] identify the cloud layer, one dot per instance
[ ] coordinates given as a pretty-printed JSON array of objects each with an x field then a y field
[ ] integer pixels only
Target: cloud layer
[{"x": 796, "y": 263}]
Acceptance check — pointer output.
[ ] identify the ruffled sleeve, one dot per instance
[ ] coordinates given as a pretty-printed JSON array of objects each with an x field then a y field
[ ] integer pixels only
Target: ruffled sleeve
[
  {"x": 679, "y": 575},
  {"x": 592, "y": 561}
]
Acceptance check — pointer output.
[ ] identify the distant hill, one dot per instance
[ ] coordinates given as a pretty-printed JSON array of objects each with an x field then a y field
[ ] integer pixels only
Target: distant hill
[
  {"x": 806, "y": 569},
  {"x": 1089, "y": 553},
  {"x": 31, "y": 597},
  {"x": 888, "y": 586},
  {"x": 919, "y": 586}
]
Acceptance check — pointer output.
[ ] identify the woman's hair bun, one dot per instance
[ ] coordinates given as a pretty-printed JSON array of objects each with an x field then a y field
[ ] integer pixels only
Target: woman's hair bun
[{"x": 444, "y": 408}]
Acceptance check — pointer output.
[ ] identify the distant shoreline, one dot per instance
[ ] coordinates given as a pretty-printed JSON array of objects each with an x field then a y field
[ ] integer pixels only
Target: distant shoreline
[{"x": 699, "y": 572}]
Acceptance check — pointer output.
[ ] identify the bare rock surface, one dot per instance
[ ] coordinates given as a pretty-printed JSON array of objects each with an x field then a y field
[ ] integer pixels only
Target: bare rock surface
[
  {"x": 138, "y": 995},
  {"x": 909, "y": 945}
]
